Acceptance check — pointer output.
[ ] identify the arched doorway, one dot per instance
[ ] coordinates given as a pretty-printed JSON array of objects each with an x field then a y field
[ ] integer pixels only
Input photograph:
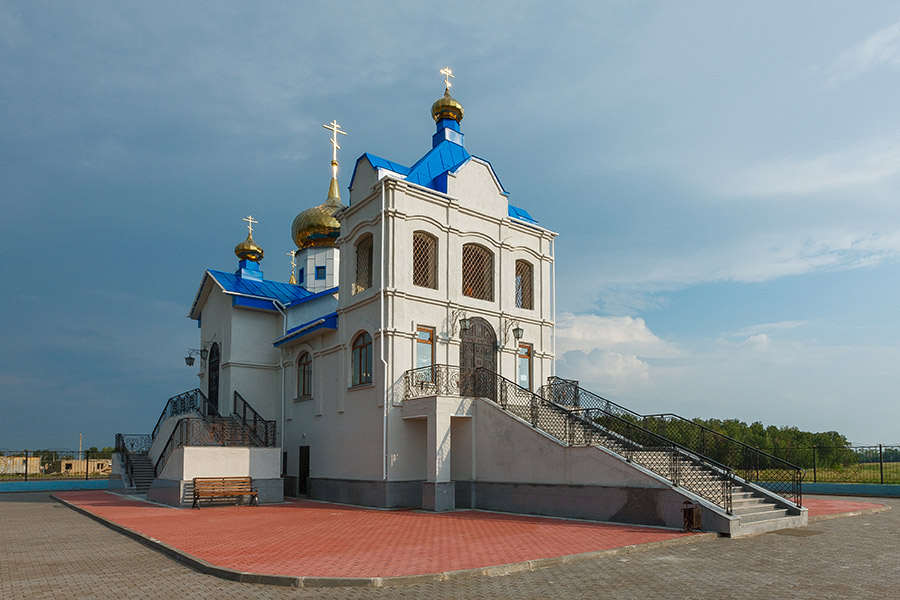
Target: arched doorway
[
  {"x": 212, "y": 377},
  {"x": 477, "y": 348}
]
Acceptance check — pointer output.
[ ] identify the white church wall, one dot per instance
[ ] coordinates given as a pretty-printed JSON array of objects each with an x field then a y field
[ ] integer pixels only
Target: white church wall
[
  {"x": 309, "y": 311},
  {"x": 253, "y": 366},
  {"x": 475, "y": 187}
]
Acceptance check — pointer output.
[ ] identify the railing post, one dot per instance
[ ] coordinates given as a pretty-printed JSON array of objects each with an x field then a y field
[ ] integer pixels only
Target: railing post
[
  {"x": 26, "y": 465},
  {"x": 87, "y": 464},
  {"x": 881, "y": 462},
  {"x": 814, "y": 463}
]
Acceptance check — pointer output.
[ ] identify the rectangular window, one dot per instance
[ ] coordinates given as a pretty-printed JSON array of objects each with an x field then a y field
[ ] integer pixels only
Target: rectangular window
[
  {"x": 300, "y": 276},
  {"x": 320, "y": 272},
  {"x": 524, "y": 366},
  {"x": 424, "y": 353}
]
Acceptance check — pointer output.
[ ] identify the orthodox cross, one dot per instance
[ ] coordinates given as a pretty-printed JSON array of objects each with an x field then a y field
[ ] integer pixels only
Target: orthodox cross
[
  {"x": 335, "y": 130},
  {"x": 293, "y": 264},
  {"x": 448, "y": 75},
  {"x": 250, "y": 221}
]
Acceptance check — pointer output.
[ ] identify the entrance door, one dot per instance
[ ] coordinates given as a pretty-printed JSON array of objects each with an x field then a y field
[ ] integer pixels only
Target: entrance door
[
  {"x": 478, "y": 348},
  {"x": 212, "y": 391},
  {"x": 303, "y": 475}
]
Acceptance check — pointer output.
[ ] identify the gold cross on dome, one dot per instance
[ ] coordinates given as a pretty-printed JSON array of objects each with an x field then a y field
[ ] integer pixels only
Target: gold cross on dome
[
  {"x": 250, "y": 221},
  {"x": 335, "y": 130},
  {"x": 293, "y": 264},
  {"x": 448, "y": 75}
]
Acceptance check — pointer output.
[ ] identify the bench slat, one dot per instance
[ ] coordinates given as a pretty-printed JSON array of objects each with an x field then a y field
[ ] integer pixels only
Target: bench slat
[{"x": 223, "y": 487}]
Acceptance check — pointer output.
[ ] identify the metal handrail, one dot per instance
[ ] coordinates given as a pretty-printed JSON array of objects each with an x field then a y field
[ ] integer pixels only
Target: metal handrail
[
  {"x": 185, "y": 402},
  {"x": 264, "y": 430},
  {"x": 204, "y": 431},
  {"x": 664, "y": 457},
  {"x": 749, "y": 463},
  {"x": 132, "y": 443}
]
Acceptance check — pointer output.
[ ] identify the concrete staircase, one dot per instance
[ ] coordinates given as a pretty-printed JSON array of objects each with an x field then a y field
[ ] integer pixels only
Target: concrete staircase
[{"x": 143, "y": 472}]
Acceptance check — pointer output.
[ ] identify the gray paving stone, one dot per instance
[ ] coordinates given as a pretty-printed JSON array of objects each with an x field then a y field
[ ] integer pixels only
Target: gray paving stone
[{"x": 49, "y": 551}]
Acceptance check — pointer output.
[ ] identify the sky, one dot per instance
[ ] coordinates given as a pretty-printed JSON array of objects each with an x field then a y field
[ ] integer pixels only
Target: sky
[{"x": 723, "y": 178}]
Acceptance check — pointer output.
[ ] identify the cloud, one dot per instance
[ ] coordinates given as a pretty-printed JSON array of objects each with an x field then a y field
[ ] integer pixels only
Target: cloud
[
  {"x": 623, "y": 335},
  {"x": 866, "y": 164},
  {"x": 882, "y": 48}
]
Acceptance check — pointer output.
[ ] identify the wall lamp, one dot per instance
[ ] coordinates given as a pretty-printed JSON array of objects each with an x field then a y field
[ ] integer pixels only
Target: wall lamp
[{"x": 192, "y": 352}]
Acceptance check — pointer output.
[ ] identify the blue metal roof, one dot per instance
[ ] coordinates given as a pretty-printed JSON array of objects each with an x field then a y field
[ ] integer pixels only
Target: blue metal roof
[
  {"x": 284, "y": 293},
  {"x": 520, "y": 213},
  {"x": 444, "y": 158}
]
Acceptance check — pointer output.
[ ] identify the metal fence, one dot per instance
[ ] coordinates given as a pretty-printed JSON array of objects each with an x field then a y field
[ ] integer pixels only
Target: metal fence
[
  {"x": 25, "y": 465},
  {"x": 846, "y": 464}
]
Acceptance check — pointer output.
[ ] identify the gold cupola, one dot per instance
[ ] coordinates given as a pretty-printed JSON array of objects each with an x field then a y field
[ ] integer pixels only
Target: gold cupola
[
  {"x": 316, "y": 227},
  {"x": 447, "y": 107},
  {"x": 248, "y": 249}
]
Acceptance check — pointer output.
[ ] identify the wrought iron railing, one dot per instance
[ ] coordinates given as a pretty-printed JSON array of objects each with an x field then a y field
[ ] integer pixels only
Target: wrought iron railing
[
  {"x": 747, "y": 462},
  {"x": 261, "y": 429},
  {"x": 208, "y": 431},
  {"x": 578, "y": 426},
  {"x": 438, "y": 380},
  {"x": 132, "y": 443},
  {"x": 27, "y": 465},
  {"x": 186, "y": 402}
]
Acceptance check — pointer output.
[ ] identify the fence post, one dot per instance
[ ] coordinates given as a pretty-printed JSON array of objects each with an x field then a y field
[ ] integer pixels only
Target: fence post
[
  {"x": 814, "y": 464},
  {"x": 881, "y": 462},
  {"x": 87, "y": 464},
  {"x": 26, "y": 466}
]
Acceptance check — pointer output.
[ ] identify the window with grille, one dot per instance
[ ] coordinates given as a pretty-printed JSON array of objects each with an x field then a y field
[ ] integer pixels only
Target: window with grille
[
  {"x": 362, "y": 359},
  {"x": 304, "y": 376},
  {"x": 363, "y": 265},
  {"x": 524, "y": 284},
  {"x": 424, "y": 260},
  {"x": 477, "y": 272}
]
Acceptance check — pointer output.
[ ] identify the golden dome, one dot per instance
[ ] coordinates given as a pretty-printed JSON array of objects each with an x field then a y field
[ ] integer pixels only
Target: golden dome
[
  {"x": 249, "y": 250},
  {"x": 446, "y": 107},
  {"x": 316, "y": 227}
]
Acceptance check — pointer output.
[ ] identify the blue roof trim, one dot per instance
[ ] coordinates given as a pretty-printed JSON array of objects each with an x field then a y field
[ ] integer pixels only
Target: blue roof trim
[
  {"x": 378, "y": 163},
  {"x": 257, "y": 303},
  {"x": 328, "y": 321},
  {"x": 520, "y": 213},
  {"x": 284, "y": 293}
]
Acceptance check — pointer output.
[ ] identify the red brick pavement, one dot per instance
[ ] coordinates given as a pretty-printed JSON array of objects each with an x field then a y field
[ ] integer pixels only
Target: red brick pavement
[
  {"x": 821, "y": 506},
  {"x": 316, "y": 539}
]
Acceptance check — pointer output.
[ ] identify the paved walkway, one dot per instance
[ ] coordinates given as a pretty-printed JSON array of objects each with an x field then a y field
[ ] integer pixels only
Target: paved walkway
[
  {"x": 50, "y": 551},
  {"x": 318, "y": 539}
]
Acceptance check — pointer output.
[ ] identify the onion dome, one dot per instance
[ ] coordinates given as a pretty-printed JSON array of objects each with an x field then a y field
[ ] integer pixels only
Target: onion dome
[
  {"x": 446, "y": 107},
  {"x": 249, "y": 250},
  {"x": 316, "y": 227}
]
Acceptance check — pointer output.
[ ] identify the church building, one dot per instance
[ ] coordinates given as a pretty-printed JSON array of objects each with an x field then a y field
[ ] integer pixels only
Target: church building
[{"x": 409, "y": 362}]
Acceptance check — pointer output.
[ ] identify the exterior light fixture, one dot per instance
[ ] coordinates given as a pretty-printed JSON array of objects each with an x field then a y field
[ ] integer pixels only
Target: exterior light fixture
[
  {"x": 204, "y": 353},
  {"x": 189, "y": 360},
  {"x": 518, "y": 333},
  {"x": 192, "y": 352},
  {"x": 464, "y": 324}
]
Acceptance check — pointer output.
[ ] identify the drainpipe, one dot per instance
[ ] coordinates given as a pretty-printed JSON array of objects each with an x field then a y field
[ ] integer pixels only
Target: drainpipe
[
  {"x": 553, "y": 303},
  {"x": 384, "y": 426},
  {"x": 281, "y": 362}
]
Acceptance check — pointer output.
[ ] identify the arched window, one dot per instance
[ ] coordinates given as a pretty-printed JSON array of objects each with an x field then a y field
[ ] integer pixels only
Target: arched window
[
  {"x": 304, "y": 375},
  {"x": 362, "y": 359},
  {"x": 363, "y": 264},
  {"x": 477, "y": 272},
  {"x": 524, "y": 284},
  {"x": 424, "y": 260}
]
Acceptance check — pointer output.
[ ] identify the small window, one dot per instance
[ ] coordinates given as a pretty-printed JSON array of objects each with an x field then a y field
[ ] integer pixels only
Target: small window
[
  {"x": 424, "y": 353},
  {"x": 524, "y": 284},
  {"x": 363, "y": 265},
  {"x": 477, "y": 272},
  {"x": 524, "y": 366},
  {"x": 424, "y": 260},
  {"x": 362, "y": 359},
  {"x": 320, "y": 272},
  {"x": 300, "y": 276},
  {"x": 304, "y": 376}
]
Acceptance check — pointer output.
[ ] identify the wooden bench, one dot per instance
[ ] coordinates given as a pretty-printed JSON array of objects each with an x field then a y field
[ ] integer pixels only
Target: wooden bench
[{"x": 223, "y": 487}]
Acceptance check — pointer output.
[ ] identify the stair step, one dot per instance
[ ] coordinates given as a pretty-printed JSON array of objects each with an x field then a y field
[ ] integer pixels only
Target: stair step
[{"x": 765, "y": 515}]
